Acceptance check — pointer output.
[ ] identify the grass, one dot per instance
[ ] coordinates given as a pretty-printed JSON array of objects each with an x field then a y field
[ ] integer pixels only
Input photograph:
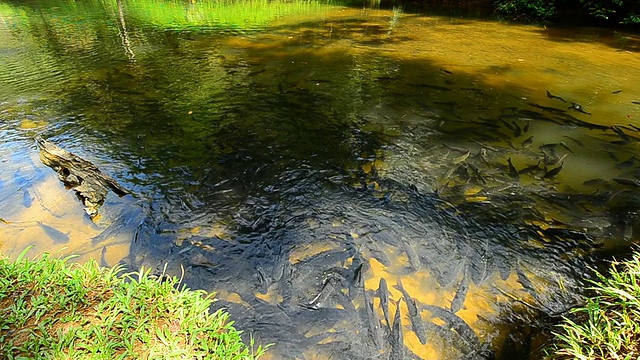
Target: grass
[
  {"x": 608, "y": 325},
  {"x": 53, "y": 309}
]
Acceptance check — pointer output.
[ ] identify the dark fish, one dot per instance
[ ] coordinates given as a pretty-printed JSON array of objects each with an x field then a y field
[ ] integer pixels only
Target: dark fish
[
  {"x": 56, "y": 235},
  {"x": 527, "y": 142},
  {"x": 517, "y": 131},
  {"x": 328, "y": 286},
  {"x": 636, "y": 102},
  {"x": 594, "y": 182},
  {"x": 555, "y": 97},
  {"x": 512, "y": 169},
  {"x": 555, "y": 160},
  {"x": 412, "y": 255},
  {"x": 446, "y": 71},
  {"x": 456, "y": 324},
  {"x": 553, "y": 172},
  {"x": 263, "y": 281},
  {"x": 616, "y": 92},
  {"x": 508, "y": 125},
  {"x": 377, "y": 253},
  {"x": 629, "y": 182},
  {"x": 461, "y": 294},
  {"x": 627, "y": 163},
  {"x": 103, "y": 258},
  {"x": 383, "y": 295},
  {"x": 634, "y": 127},
  {"x": 549, "y": 109},
  {"x": 578, "y": 108},
  {"x": 625, "y": 139},
  {"x": 253, "y": 73},
  {"x": 574, "y": 140},
  {"x": 529, "y": 169},
  {"x": 396, "y": 338},
  {"x": 511, "y": 144},
  {"x": 27, "y": 200},
  {"x": 525, "y": 282},
  {"x": 526, "y": 126},
  {"x": 374, "y": 326},
  {"x": 414, "y": 314}
]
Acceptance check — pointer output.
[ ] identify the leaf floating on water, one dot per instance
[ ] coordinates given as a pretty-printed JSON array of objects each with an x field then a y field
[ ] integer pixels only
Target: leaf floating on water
[{"x": 32, "y": 124}]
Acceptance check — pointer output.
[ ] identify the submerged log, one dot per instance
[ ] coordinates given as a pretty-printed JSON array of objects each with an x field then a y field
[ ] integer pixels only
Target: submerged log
[{"x": 89, "y": 183}]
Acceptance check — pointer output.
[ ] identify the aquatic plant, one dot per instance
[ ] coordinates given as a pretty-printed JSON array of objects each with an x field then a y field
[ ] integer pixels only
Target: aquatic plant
[
  {"x": 50, "y": 308},
  {"x": 608, "y": 325}
]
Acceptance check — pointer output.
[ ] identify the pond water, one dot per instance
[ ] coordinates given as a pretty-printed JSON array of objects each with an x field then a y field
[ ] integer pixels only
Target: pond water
[{"x": 353, "y": 182}]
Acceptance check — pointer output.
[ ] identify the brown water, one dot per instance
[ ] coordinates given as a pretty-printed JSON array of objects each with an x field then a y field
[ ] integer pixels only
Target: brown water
[{"x": 291, "y": 162}]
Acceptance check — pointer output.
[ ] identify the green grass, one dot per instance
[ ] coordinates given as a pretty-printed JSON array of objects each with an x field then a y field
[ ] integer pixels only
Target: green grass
[
  {"x": 53, "y": 309},
  {"x": 608, "y": 326}
]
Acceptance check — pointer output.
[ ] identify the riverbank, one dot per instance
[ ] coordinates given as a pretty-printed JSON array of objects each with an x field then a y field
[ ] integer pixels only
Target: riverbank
[
  {"x": 51, "y": 308},
  {"x": 608, "y": 325}
]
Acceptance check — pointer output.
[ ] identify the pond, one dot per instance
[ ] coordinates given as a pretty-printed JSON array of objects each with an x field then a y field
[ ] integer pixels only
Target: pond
[{"x": 352, "y": 181}]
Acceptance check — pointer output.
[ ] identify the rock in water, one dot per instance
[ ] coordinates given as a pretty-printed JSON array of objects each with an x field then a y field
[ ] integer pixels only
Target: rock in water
[{"x": 89, "y": 183}]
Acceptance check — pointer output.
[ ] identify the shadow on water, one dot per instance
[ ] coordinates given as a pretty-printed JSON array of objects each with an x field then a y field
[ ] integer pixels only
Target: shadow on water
[{"x": 346, "y": 195}]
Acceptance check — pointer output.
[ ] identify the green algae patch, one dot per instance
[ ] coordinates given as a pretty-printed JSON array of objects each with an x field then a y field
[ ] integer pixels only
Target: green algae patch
[
  {"x": 608, "y": 325},
  {"x": 51, "y": 308}
]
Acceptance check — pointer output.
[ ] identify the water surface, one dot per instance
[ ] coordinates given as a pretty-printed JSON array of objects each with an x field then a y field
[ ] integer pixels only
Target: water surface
[{"x": 299, "y": 158}]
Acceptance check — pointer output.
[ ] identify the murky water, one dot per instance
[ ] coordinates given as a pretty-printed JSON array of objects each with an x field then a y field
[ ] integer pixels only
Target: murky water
[{"x": 352, "y": 182}]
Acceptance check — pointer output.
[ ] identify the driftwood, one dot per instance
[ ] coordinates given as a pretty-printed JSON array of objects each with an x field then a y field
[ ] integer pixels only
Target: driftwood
[{"x": 89, "y": 183}]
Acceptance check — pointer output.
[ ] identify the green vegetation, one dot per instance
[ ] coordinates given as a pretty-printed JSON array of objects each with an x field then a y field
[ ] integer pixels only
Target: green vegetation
[
  {"x": 608, "y": 326},
  {"x": 230, "y": 15},
  {"x": 52, "y": 309},
  {"x": 607, "y": 11}
]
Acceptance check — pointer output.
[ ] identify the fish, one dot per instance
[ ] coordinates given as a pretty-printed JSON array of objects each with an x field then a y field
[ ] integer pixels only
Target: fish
[
  {"x": 594, "y": 182},
  {"x": 446, "y": 71},
  {"x": 512, "y": 169},
  {"x": 103, "y": 258},
  {"x": 461, "y": 294},
  {"x": 377, "y": 253},
  {"x": 374, "y": 326},
  {"x": 527, "y": 142},
  {"x": 550, "y": 96},
  {"x": 529, "y": 169},
  {"x": 625, "y": 139},
  {"x": 517, "y": 131},
  {"x": 525, "y": 282},
  {"x": 627, "y": 163},
  {"x": 27, "y": 199},
  {"x": 629, "y": 182},
  {"x": 553, "y": 172},
  {"x": 412, "y": 256},
  {"x": 508, "y": 125},
  {"x": 383, "y": 295},
  {"x": 556, "y": 160},
  {"x": 526, "y": 127},
  {"x": 636, "y": 102},
  {"x": 56, "y": 235},
  {"x": 577, "y": 107},
  {"x": 456, "y": 324},
  {"x": 462, "y": 158},
  {"x": 616, "y": 92},
  {"x": 414, "y": 314},
  {"x": 396, "y": 338}
]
